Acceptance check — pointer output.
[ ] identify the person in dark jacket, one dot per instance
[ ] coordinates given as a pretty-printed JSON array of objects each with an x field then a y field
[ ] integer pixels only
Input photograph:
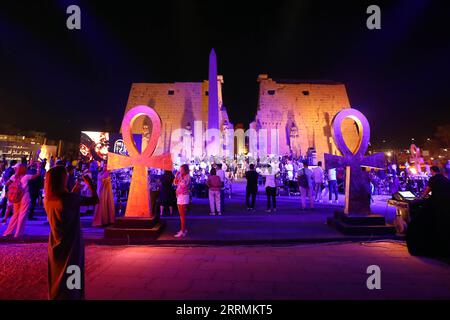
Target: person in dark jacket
[
  {"x": 167, "y": 197},
  {"x": 252, "y": 187}
]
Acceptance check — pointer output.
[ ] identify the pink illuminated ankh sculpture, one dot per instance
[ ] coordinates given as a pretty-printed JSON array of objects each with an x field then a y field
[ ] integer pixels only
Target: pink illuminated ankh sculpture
[
  {"x": 357, "y": 187},
  {"x": 138, "y": 198}
]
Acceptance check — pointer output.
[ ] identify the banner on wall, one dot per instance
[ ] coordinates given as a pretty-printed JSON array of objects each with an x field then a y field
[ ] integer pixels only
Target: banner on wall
[
  {"x": 94, "y": 145},
  {"x": 116, "y": 144}
]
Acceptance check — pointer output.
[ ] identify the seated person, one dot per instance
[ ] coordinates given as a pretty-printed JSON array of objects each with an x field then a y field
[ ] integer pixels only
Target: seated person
[{"x": 428, "y": 232}]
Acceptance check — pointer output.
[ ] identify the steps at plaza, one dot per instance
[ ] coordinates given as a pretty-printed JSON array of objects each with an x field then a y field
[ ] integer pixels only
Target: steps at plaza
[{"x": 357, "y": 225}]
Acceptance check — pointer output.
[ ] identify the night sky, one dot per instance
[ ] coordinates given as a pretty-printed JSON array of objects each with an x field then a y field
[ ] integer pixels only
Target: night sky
[{"x": 60, "y": 81}]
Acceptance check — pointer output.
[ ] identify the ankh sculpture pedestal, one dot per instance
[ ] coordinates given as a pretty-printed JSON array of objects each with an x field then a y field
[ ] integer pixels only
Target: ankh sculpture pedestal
[
  {"x": 138, "y": 223},
  {"x": 356, "y": 218},
  {"x": 135, "y": 229}
]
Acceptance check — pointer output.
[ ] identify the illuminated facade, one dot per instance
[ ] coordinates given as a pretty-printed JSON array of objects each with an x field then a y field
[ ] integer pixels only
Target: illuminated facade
[{"x": 301, "y": 113}]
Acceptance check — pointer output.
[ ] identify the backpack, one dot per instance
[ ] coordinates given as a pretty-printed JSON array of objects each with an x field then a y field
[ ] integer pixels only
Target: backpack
[
  {"x": 303, "y": 180},
  {"x": 15, "y": 191}
]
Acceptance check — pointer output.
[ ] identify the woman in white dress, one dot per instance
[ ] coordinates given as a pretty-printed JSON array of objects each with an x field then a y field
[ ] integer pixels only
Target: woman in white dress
[{"x": 182, "y": 181}]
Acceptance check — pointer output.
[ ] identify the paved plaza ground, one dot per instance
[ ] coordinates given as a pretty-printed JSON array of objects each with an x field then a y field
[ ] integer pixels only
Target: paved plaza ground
[{"x": 322, "y": 271}]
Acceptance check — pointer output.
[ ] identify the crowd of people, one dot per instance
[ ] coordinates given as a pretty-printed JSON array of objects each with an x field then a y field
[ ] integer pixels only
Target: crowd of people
[
  {"x": 213, "y": 180},
  {"x": 22, "y": 190}
]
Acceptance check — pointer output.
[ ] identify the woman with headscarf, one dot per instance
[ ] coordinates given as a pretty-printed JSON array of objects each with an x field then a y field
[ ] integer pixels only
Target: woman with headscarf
[{"x": 65, "y": 246}]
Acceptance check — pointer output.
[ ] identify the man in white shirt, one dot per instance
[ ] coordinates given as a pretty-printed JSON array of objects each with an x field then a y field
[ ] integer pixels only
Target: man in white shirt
[
  {"x": 221, "y": 174},
  {"x": 290, "y": 170},
  {"x": 318, "y": 181},
  {"x": 332, "y": 185},
  {"x": 271, "y": 187}
]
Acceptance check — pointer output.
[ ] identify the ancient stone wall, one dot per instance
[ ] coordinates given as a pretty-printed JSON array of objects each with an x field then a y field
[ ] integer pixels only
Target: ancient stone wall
[
  {"x": 303, "y": 113},
  {"x": 178, "y": 104}
]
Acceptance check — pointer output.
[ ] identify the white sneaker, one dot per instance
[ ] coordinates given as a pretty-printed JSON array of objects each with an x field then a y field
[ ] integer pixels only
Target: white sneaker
[
  {"x": 179, "y": 234},
  {"x": 331, "y": 201}
]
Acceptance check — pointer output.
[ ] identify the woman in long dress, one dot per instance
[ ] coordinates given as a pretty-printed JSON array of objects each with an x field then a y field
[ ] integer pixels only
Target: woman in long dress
[
  {"x": 104, "y": 210},
  {"x": 65, "y": 244}
]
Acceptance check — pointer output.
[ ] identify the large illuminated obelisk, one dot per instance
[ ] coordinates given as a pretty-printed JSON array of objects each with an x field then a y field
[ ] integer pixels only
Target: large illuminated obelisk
[
  {"x": 213, "y": 95},
  {"x": 213, "y": 133}
]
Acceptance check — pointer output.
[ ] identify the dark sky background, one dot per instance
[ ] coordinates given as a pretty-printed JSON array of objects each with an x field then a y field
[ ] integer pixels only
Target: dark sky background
[{"x": 61, "y": 81}]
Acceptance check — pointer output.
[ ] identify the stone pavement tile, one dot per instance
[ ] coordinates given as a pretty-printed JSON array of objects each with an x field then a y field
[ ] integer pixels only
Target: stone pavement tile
[
  {"x": 296, "y": 290},
  {"x": 306, "y": 252},
  {"x": 101, "y": 281},
  {"x": 135, "y": 249},
  {"x": 347, "y": 291},
  {"x": 101, "y": 293},
  {"x": 262, "y": 259},
  {"x": 336, "y": 278},
  {"x": 130, "y": 282},
  {"x": 166, "y": 272},
  {"x": 341, "y": 252},
  {"x": 131, "y": 255},
  {"x": 397, "y": 266},
  {"x": 231, "y": 258},
  {"x": 214, "y": 250},
  {"x": 148, "y": 263},
  {"x": 252, "y": 288},
  {"x": 197, "y": 257},
  {"x": 196, "y": 250},
  {"x": 163, "y": 250},
  {"x": 436, "y": 292},
  {"x": 239, "y": 275},
  {"x": 195, "y": 274},
  {"x": 116, "y": 269},
  {"x": 187, "y": 266},
  {"x": 401, "y": 291},
  {"x": 211, "y": 286},
  {"x": 216, "y": 266},
  {"x": 429, "y": 280},
  {"x": 277, "y": 276},
  {"x": 330, "y": 268},
  {"x": 251, "y": 265},
  {"x": 154, "y": 264},
  {"x": 170, "y": 284},
  {"x": 163, "y": 256}
]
